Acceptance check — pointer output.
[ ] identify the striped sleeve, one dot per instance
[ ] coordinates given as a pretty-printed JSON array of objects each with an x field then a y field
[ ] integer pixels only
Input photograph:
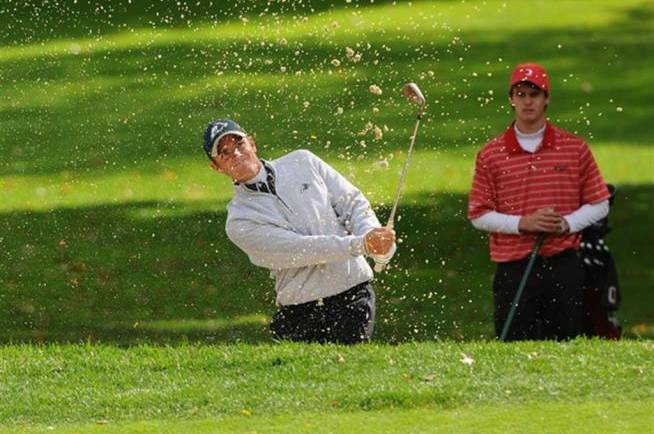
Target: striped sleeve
[
  {"x": 481, "y": 197},
  {"x": 592, "y": 187}
]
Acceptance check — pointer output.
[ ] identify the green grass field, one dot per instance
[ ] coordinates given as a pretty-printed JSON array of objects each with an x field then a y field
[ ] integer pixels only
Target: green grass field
[
  {"x": 111, "y": 223},
  {"x": 476, "y": 386}
]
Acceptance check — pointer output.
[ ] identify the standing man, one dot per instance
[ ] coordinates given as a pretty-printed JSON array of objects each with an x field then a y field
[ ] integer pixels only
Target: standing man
[
  {"x": 536, "y": 178},
  {"x": 299, "y": 218}
]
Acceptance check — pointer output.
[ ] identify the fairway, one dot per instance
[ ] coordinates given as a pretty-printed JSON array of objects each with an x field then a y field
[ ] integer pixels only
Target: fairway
[
  {"x": 621, "y": 416},
  {"x": 259, "y": 387},
  {"x": 112, "y": 224}
]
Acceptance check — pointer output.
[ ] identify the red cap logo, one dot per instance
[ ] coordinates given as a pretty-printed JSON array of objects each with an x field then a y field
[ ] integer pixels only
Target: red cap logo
[{"x": 533, "y": 73}]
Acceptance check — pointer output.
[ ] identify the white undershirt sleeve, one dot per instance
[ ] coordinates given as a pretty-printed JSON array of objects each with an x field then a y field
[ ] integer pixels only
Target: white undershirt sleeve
[
  {"x": 583, "y": 217},
  {"x": 494, "y": 221},
  {"x": 586, "y": 215}
]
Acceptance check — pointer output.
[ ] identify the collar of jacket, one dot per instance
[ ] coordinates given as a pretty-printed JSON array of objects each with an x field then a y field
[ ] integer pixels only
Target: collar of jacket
[
  {"x": 512, "y": 145},
  {"x": 267, "y": 187}
]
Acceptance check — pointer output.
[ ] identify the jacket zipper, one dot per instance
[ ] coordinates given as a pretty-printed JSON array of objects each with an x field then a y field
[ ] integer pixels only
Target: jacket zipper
[
  {"x": 277, "y": 195},
  {"x": 284, "y": 203}
]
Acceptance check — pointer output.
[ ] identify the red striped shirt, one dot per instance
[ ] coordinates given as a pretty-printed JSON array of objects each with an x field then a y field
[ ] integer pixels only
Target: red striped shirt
[{"x": 561, "y": 174}]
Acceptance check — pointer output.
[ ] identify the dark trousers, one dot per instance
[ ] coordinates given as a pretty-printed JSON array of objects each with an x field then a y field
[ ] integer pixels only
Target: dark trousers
[
  {"x": 345, "y": 318},
  {"x": 551, "y": 306}
]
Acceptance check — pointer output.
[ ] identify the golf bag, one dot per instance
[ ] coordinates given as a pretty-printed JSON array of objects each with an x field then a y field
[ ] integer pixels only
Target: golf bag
[{"x": 601, "y": 289}]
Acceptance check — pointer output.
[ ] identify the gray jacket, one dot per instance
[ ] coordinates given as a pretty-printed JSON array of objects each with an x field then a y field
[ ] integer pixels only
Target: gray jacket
[{"x": 309, "y": 234}]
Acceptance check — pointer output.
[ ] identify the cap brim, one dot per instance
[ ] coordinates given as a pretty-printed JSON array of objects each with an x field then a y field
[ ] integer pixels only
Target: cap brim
[
  {"x": 517, "y": 82},
  {"x": 214, "y": 145}
]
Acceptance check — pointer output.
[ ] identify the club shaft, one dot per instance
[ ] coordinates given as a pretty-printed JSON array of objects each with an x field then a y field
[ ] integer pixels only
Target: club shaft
[
  {"x": 405, "y": 170},
  {"x": 398, "y": 193},
  {"x": 521, "y": 287}
]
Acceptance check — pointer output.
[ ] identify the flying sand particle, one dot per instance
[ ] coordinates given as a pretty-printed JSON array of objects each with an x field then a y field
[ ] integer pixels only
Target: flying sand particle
[{"x": 374, "y": 89}]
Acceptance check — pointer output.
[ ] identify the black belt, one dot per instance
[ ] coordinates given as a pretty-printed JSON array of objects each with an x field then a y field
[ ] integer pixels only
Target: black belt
[
  {"x": 562, "y": 254},
  {"x": 341, "y": 296},
  {"x": 545, "y": 259}
]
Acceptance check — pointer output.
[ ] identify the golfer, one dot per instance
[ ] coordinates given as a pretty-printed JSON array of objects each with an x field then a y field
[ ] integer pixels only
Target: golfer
[
  {"x": 302, "y": 220},
  {"x": 536, "y": 178}
]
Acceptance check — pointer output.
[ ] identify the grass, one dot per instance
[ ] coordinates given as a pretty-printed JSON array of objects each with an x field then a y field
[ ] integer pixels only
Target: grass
[
  {"x": 611, "y": 416},
  {"x": 125, "y": 264},
  {"x": 194, "y": 382},
  {"x": 111, "y": 224}
]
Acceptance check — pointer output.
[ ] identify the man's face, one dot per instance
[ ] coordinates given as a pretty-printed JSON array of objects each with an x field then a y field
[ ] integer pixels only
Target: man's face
[
  {"x": 529, "y": 102},
  {"x": 237, "y": 158}
]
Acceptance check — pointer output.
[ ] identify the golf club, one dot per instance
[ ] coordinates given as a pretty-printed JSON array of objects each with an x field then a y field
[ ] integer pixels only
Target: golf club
[
  {"x": 521, "y": 287},
  {"x": 413, "y": 94}
]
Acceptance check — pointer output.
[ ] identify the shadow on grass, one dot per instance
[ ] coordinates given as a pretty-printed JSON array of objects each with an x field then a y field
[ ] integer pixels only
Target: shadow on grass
[
  {"x": 112, "y": 274},
  {"x": 34, "y": 22},
  {"x": 120, "y": 108}
]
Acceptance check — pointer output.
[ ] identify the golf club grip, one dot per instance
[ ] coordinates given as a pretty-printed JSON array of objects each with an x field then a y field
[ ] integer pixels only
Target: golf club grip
[{"x": 381, "y": 267}]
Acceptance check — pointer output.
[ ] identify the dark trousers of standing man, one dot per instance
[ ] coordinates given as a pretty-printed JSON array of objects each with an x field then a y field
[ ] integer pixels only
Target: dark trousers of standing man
[
  {"x": 551, "y": 306},
  {"x": 345, "y": 318}
]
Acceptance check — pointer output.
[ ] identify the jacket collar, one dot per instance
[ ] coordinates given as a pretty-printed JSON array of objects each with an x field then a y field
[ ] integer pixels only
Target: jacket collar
[
  {"x": 267, "y": 186},
  {"x": 511, "y": 141}
]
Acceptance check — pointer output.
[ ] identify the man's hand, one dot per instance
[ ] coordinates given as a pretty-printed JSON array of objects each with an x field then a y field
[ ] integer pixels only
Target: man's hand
[
  {"x": 379, "y": 241},
  {"x": 564, "y": 228},
  {"x": 544, "y": 220}
]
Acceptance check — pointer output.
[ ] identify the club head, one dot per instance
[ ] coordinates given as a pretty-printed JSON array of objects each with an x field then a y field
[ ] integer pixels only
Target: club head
[{"x": 412, "y": 92}]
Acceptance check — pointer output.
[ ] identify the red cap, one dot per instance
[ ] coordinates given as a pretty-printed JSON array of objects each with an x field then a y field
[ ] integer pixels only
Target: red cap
[{"x": 533, "y": 73}]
